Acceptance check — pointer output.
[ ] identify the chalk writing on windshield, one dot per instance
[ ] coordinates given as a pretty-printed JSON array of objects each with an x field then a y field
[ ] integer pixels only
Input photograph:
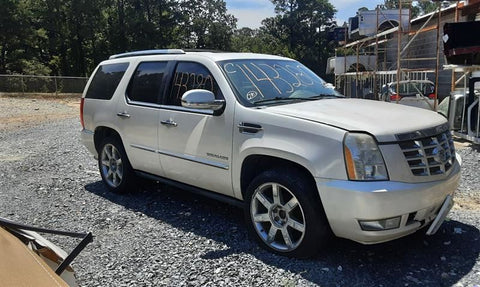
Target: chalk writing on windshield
[{"x": 268, "y": 78}]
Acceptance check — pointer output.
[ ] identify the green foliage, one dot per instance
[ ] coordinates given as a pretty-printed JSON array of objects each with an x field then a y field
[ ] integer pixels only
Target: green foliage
[
  {"x": 205, "y": 25},
  {"x": 423, "y": 7},
  {"x": 299, "y": 25},
  {"x": 259, "y": 41},
  {"x": 70, "y": 37},
  {"x": 418, "y": 7},
  {"x": 342, "y": 51},
  {"x": 19, "y": 49}
]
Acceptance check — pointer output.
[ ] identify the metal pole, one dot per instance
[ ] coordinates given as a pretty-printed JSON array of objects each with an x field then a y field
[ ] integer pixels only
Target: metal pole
[
  {"x": 435, "y": 104},
  {"x": 345, "y": 65},
  {"x": 398, "y": 46},
  {"x": 23, "y": 84},
  {"x": 356, "y": 72},
  {"x": 452, "y": 88},
  {"x": 56, "y": 87},
  {"x": 375, "y": 90}
]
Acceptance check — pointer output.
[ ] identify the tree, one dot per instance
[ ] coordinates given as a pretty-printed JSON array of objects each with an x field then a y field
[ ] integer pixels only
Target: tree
[
  {"x": 206, "y": 25},
  {"x": 425, "y": 7},
  {"x": 418, "y": 8},
  {"x": 300, "y": 25},
  {"x": 19, "y": 49},
  {"x": 258, "y": 41}
]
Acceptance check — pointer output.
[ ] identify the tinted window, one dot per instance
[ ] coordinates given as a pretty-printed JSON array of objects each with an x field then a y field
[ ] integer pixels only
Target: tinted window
[
  {"x": 105, "y": 81},
  {"x": 146, "y": 82},
  {"x": 189, "y": 76}
]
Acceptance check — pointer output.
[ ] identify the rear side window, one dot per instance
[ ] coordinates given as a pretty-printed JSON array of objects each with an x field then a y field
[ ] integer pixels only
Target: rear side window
[
  {"x": 146, "y": 83},
  {"x": 189, "y": 76},
  {"x": 105, "y": 81}
]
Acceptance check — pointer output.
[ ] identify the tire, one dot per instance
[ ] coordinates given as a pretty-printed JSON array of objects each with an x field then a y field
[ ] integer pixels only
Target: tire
[
  {"x": 114, "y": 167},
  {"x": 284, "y": 214}
]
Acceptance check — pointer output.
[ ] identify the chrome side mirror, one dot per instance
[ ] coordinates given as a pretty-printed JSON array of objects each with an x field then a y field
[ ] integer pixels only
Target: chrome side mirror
[{"x": 202, "y": 100}]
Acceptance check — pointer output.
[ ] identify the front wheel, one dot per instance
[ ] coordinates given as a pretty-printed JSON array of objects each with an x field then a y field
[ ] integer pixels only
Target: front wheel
[
  {"x": 284, "y": 213},
  {"x": 115, "y": 169}
]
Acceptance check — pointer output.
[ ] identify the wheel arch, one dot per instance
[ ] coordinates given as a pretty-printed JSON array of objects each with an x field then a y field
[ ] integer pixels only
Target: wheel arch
[
  {"x": 254, "y": 164},
  {"x": 102, "y": 132}
]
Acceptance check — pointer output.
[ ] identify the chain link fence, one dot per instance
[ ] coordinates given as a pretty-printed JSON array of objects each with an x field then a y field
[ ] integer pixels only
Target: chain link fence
[{"x": 42, "y": 84}]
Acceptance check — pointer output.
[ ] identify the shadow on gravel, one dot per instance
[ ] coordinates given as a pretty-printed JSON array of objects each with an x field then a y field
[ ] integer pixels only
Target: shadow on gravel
[{"x": 439, "y": 260}]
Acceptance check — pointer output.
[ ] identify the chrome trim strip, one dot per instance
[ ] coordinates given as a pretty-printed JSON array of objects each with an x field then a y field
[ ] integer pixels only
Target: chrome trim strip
[
  {"x": 170, "y": 108},
  {"x": 195, "y": 159},
  {"x": 143, "y": 148},
  {"x": 142, "y": 104},
  {"x": 423, "y": 133},
  {"x": 184, "y": 157},
  {"x": 182, "y": 109}
]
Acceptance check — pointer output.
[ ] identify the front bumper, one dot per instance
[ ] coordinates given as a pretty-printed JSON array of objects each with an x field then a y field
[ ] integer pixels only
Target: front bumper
[{"x": 347, "y": 202}]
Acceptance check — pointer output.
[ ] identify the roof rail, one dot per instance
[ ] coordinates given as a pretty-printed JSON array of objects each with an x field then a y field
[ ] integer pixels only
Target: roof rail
[
  {"x": 204, "y": 50},
  {"x": 147, "y": 53}
]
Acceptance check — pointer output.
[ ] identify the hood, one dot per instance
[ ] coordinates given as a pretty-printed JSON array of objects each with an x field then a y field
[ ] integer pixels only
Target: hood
[{"x": 381, "y": 119}]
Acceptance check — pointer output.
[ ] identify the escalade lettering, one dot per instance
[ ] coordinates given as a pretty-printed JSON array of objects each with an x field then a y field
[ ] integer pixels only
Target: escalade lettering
[{"x": 217, "y": 156}]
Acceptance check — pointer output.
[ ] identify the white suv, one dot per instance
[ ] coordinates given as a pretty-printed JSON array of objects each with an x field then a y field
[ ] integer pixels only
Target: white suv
[{"x": 266, "y": 133}]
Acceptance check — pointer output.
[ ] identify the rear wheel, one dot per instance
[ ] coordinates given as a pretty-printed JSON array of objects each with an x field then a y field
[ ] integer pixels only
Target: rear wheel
[
  {"x": 285, "y": 215},
  {"x": 115, "y": 169}
]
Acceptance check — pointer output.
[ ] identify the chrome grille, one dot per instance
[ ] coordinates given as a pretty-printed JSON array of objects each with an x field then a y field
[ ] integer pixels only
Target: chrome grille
[{"x": 431, "y": 155}]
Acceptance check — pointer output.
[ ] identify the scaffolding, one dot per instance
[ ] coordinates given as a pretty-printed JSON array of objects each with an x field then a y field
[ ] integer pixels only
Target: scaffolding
[{"x": 366, "y": 82}]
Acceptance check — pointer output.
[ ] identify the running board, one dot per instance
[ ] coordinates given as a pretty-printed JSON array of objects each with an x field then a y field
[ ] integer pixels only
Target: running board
[{"x": 193, "y": 189}]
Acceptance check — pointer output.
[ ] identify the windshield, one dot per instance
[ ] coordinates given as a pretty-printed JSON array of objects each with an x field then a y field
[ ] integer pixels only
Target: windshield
[
  {"x": 263, "y": 82},
  {"x": 414, "y": 87}
]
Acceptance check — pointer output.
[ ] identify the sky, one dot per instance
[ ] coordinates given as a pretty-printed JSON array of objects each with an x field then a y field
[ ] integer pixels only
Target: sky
[{"x": 250, "y": 13}]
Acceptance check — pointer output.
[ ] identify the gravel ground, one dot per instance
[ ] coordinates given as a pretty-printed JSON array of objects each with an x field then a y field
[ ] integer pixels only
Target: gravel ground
[{"x": 167, "y": 237}]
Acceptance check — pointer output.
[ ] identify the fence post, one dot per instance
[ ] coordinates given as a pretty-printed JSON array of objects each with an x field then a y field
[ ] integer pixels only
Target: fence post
[
  {"x": 23, "y": 84},
  {"x": 56, "y": 87}
]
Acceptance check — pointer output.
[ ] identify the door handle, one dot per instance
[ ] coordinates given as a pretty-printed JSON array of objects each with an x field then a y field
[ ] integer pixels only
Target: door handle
[
  {"x": 248, "y": 128},
  {"x": 169, "y": 123},
  {"x": 123, "y": 114}
]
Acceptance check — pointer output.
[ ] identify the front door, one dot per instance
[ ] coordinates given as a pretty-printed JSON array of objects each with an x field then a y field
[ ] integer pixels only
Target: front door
[{"x": 195, "y": 147}]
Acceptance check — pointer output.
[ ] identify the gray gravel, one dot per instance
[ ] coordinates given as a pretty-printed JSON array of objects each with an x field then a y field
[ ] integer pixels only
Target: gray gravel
[{"x": 166, "y": 237}]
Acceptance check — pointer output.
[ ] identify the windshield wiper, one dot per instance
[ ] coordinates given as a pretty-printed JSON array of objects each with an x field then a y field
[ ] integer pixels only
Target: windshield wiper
[
  {"x": 324, "y": 96},
  {"x": 280, "y": 99}
]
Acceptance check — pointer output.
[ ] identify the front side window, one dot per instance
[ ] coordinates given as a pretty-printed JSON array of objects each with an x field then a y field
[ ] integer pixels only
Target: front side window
[
  {"x": 146, "y": 83},
  {"x": 105, "y": 81},
  {"x": 189, "y": 76},
  {"x": 262, "y": 81}
]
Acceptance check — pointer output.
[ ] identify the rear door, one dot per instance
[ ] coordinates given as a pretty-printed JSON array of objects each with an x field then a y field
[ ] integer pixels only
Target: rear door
[{"x": 139, "y": 116}]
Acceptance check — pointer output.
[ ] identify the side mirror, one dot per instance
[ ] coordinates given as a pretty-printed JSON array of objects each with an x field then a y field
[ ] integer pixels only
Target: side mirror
[{"x": 202, "y": 100}]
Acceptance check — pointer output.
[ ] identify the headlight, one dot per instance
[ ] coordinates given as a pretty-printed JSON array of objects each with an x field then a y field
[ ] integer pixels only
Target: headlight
[{"x": 363, "y": 158}]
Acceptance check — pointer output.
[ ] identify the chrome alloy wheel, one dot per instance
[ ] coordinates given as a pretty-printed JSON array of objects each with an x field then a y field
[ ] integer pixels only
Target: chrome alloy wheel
[
  {"x": 111, "y": 165},
  {"x": 277, "y": 217}
]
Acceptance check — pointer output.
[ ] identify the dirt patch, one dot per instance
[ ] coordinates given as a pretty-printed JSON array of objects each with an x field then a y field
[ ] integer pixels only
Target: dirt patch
[
  {"x": 471, "y": 202},
  {"x": 21, "y": 111}
]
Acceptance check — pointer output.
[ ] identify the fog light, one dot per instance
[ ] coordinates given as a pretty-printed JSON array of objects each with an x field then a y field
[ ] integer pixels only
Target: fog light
[{"x": 383, "y": 224}]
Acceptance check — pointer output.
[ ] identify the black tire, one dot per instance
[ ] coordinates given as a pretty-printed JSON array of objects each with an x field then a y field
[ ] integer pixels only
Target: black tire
[
  {"x": 115, "y": 169},
  {"x": 282, "y": 217}
]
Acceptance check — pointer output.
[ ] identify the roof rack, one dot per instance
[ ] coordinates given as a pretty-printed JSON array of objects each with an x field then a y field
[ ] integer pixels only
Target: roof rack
[
  {"x": 204, "y": 50},
  {"x": 148, "y": 53}
]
